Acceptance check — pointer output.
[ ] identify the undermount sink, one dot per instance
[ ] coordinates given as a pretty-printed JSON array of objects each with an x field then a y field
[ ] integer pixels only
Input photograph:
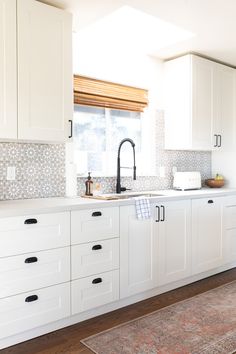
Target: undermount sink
[{"x": 129, "y": 196}]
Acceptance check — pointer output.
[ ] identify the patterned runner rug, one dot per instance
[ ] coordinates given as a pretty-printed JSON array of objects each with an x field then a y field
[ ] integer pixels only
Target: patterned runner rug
[{"x": 203, "y": 324}]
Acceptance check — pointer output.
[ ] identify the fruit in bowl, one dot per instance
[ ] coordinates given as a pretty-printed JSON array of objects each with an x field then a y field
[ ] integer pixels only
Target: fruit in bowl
[{"x": 216, "y": 182}]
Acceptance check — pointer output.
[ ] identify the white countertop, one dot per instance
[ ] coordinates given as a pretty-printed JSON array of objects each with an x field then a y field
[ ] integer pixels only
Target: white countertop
[{"x": 47, "y": 205}]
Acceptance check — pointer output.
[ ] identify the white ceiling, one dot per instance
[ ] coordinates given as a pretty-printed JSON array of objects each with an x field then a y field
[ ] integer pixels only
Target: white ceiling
[{"x": 212, "y": 21}]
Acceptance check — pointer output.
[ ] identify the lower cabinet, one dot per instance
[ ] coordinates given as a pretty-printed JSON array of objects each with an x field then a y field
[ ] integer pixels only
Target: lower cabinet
[
  {"x": 208, "y": 237},
  {"x": 34, "y": 309},
  {"x": 174, "y": 241},
  {"x": 138, "y": 252},
  {"x": 25, "y": 272},
  {"x": 94, "y": 291},
  {"x": 155, "y": 251},
  {"x": 229, "y": 227}
]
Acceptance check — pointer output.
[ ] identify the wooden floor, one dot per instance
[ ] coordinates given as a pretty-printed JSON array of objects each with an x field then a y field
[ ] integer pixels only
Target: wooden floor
[{"x": 67, "y": 340}]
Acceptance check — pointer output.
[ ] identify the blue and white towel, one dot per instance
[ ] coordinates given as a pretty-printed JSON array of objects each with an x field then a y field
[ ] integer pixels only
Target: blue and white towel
[{"x": 143, "y": 208}]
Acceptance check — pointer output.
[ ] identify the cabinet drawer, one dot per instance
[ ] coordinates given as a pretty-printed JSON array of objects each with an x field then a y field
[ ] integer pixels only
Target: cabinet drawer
[
  {"x": 94, "y": 257},
  {"x": 95, "y": 291},
  {"x": 23, "y": 234},
  {"x": 93, "y": 225},
  {"x": 33, "y": 309},
  {"x": 22, "y": 273}
]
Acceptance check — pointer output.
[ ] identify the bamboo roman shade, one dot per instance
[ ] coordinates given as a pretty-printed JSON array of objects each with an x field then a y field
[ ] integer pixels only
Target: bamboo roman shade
[{"x": 92, "y": 92}]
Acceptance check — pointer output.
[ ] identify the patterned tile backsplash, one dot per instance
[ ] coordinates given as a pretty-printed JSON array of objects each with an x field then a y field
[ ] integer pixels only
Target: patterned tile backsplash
[
  {"x": 183, "y": 160},
  {"x": 40, "y": 169}
]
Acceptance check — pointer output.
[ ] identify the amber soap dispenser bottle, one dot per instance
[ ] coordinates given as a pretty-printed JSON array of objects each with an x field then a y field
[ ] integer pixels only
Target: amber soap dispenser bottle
[{"x": 89, "y": 185}]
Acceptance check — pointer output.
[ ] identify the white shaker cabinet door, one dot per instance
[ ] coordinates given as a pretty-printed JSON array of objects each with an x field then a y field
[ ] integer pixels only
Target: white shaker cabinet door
[
  {"x": 207, "y": 234},
  {"x": 202, "y": 103},
  {"x": 174, "y": 250},
  {"x": 45, "y": 88},
  {"x": 138, "y": 253},
  {"x": 8, "y": 66}
]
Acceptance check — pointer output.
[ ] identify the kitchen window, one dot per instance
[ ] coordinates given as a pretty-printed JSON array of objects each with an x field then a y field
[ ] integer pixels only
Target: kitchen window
[{"x": 98, "y": 131}]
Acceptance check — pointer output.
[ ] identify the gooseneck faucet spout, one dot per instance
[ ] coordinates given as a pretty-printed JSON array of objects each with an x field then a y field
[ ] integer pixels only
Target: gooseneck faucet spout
[{"x": 120, "y": 189}]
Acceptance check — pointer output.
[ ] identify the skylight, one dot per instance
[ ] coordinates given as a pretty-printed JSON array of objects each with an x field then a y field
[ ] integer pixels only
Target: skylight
[{"x": 128, "y": 28}]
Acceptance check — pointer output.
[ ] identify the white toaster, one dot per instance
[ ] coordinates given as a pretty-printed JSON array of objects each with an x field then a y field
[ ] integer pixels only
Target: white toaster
[{"x": 187, "y": 180}]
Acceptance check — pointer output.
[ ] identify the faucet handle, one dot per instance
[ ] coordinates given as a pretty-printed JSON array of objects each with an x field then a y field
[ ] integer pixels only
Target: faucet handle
[{"x": 123, "y": 189}]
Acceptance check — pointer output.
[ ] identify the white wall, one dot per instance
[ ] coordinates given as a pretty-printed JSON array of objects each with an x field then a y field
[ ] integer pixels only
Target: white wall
[{"x": 129, "y": 67}]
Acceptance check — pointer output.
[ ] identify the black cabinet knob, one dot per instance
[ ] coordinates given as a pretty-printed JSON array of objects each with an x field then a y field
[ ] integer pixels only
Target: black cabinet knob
[{"x": 210, "y": 201}]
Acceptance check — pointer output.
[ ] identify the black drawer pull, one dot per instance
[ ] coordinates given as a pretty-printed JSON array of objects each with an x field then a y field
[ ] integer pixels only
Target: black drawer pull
[
  {"x": 31, "y": 260},
  {"x": 97, "y": 247},
  {"x": 97, "y": 280},
  {"x": 97, "y": 213},
  {"x": 210, "y": 201},
  {"x": 31, "y": 298},
  {"x": 30, "y": 221}
]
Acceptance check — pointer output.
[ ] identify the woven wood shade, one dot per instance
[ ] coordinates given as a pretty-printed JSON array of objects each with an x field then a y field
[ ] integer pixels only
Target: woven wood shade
[{"x": 92, "y": 92}]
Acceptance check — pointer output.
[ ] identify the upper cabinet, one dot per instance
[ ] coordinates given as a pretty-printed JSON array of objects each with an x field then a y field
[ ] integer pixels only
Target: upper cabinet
[
  {"x": 42, "y": 35},
  {"x": 199, "y": 104},
  {"x": 8, "y": 76}
]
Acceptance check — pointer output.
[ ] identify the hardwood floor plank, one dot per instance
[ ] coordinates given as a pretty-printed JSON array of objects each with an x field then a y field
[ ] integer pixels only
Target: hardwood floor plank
[{"x": 67, "y": 340}]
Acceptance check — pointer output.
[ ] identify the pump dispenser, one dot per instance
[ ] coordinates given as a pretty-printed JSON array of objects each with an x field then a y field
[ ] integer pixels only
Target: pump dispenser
[{"x": 89, "y": 185}]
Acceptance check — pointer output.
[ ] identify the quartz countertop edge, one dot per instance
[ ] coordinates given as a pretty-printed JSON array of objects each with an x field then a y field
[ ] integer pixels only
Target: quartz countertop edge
[{"x": 20, "y": 207}]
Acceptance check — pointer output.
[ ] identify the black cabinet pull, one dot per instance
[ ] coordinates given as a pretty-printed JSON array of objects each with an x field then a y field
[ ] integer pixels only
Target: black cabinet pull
[
  {"x": 158, "y": 213},
  {"x": 71, "y": 129},
  {"x": 97, "y": 213},
  {"x": 219, "y": 143},
  {"x": 97, "y": 280},
  {"x": 30, "y": 221},
  {"x": 97, "y": 247},
  {"x": 216, "y": 140},
  {"x": 210, "y": 201},
  {"x": 31, "y": 260},
  {"x": 31, "y": 298},
  {"x": 163, "y": 213}
]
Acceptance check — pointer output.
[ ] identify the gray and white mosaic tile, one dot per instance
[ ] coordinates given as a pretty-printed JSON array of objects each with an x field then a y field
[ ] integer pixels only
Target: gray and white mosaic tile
[{"x": 40, "y": 170}]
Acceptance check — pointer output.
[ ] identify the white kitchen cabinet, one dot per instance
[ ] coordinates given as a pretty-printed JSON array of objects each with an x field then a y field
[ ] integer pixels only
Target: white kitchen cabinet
[
  {"x": 138, "y": 252},
  {"x": 34, "y": 309},
  {"x": 94, "y": 224},
  {"x": 155, "y": 251},
  {"x": 199, "y": 104},
  {"x": 19, "y": 274},
  {"x": 94, "y": 291},
  {"x": 44, "y": 71},
  {"x": 223, "y": 107},
  {"x": 8, "y": 72},
  {"x": 207, "y": 234},
  {"x": 32, "y": 233},
  {"x": 229, "y": 227},
  {"x": 94, "y": 257},
  {"x": 174, "y": 240}
]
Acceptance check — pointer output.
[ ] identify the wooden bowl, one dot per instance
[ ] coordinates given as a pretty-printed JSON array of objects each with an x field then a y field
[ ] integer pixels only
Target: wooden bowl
[{"x": 214, "y": 183}]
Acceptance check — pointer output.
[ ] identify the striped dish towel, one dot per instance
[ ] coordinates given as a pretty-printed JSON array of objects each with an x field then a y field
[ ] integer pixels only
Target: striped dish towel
[{"x": 143, "y": 209}]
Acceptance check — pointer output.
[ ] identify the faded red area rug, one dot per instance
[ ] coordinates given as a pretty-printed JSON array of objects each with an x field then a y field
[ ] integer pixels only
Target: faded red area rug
[{"x": 203, "y": 324}]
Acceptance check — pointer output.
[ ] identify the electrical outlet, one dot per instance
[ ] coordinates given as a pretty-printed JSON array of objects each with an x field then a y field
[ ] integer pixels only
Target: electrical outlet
[
  {"x": 162, "y": 171},
  {"x": 11, "y": 173}
]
